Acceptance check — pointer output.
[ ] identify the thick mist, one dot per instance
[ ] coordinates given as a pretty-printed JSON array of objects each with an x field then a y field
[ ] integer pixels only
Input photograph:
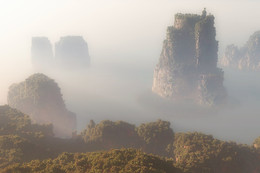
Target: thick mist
[
  {"x": 124, "y": 93},
  {"x": 125, "y": 40}
]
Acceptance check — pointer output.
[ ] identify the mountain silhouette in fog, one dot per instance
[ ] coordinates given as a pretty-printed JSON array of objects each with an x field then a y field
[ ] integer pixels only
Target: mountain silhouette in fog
[
  {"x": 40, "y": 97},
  {"x": 71, "y": 52},
  {"x": 187, "y": 67}
]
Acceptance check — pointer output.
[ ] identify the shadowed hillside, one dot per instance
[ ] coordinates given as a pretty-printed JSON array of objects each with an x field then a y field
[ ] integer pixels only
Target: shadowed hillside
[{"x": 40, "y": 97}]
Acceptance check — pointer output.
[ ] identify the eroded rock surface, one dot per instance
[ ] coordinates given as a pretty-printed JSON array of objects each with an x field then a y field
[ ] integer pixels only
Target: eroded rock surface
[
  {"x": 246, "y": 57},
  {"x": 187, "y": 67}
]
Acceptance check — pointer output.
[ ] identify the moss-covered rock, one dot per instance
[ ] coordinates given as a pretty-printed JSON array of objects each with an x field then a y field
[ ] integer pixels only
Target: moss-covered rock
[
  {"x": 189, "y": 55},
  {"x": 41, "y": 98}
]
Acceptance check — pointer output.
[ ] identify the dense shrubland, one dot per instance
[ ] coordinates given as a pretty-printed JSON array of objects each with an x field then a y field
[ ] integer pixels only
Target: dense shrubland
[
  {"x": 123, "y": 161},
  {"x": 197, "y": 152},
  {"x": 118, "y": 147}
]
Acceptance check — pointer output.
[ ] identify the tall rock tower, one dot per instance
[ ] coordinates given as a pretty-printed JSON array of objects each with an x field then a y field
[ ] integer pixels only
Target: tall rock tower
[
  {"x": 41, "y": 53},
  {"x": 246, "y": 57},
  {"x": 72, "y": 51},
  {"x": 187, "y": 67}
]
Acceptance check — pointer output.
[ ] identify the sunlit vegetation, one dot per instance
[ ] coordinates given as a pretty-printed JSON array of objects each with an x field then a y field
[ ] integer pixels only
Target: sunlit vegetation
[
  {"x": 197, "y": 152},
  {"x": 118, "y": 147},
  {"x": 257, "y": 143},
  {"x": 157, "y": 136},
  {"x": 108, "y": 134},
  {"x": 20, "y": 140},
  {"x": 151, "y": 137},
  {"x": 116, "y": 161},
  {"x": 14, "y": 122},
  {"x": 35, "y": 90}
]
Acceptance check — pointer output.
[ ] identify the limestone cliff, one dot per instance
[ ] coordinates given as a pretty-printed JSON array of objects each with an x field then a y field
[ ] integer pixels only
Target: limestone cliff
[
  {"x": 246, "y": 57},
  {"x": 187, "y": 67},
  {"x": 72, "y": 51},
  {"x": 40, "y": 98},
  {"x": 256, "y": 143},
  {"x": 41, "y": 53}
]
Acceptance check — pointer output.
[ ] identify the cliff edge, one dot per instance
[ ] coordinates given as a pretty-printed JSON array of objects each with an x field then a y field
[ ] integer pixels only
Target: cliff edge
[
  {"x": 246, "y": 57},
  {"x": 187, "y": 67}
]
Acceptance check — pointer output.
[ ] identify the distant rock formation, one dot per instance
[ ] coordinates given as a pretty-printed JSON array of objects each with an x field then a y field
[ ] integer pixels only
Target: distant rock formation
[
  {"x": 246, "y": 57},
  {"x": 72, "y": 51},
  {"x": 40, "y": 98},
  {"x": 187, "y": 67},
  {"x": 41, "y": 53},
  {"x": 256, "y": 143}
]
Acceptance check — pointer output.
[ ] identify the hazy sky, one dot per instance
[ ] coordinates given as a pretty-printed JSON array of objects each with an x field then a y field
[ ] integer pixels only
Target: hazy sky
[
  {"x": 117, "y": 31},
  {"x": 114, "y": 25},
  {"x": 128, "y": 35}
]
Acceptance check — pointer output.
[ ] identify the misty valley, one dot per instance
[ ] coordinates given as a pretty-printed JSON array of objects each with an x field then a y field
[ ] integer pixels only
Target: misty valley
[{"x": 192, "y": 110}]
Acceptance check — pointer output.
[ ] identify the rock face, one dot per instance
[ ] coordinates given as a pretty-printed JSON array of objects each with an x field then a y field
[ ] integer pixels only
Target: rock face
[
  {"x": 256, "y": 143},
  {"x": 246, "y": 57},
  {"x": 41, "y": 52},
  {"x": 187, "y": 67},
  {"x": 40, "y": 98},
  {"x": 72, "y": 51}
]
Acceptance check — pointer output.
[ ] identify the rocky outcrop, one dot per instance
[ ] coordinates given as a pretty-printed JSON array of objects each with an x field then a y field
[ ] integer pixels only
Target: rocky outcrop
[
  {"x": 41, "y": 98},
  {"x": 41, "y": 53},
  {"x": 187, "y": 67},
  {"x": 256, "y": 143},
  {"x": 72, "y": 51},
  {"x": 246, "y": 57}
]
